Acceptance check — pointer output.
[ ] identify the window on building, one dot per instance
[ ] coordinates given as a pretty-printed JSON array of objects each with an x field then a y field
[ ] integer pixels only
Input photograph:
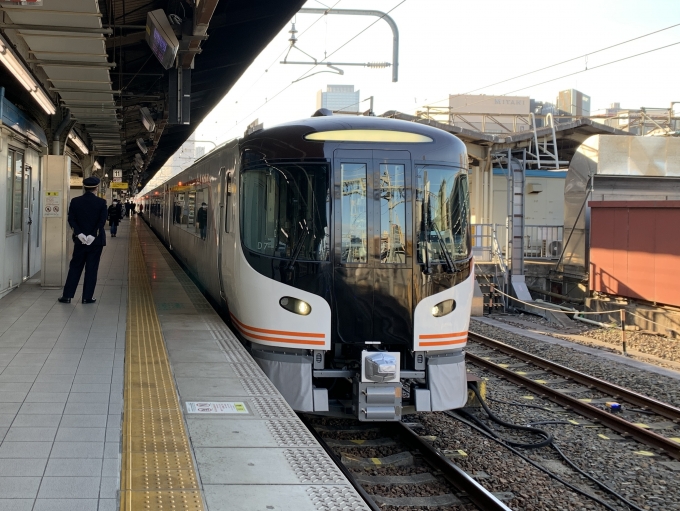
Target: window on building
[{"x": 15, "y": 191}]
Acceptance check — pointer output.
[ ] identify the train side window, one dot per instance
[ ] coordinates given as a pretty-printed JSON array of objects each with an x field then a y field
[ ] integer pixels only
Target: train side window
[
  {"x": 354, "y": 244},
  {"x": 227, "y": 201}
]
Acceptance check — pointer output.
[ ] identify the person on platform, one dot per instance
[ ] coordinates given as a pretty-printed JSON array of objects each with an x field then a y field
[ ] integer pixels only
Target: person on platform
[
  {"x": 127, "y": 208},
  {"x": 202, "y": 219},
  {"x": 133, "y": 206},
  {"x": 115, "y": 213},
  {"x": 87, "y": 217}
]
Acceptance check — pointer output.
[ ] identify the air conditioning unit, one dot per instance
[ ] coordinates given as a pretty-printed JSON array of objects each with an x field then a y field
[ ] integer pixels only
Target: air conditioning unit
[{"x": 555, "y": 249}]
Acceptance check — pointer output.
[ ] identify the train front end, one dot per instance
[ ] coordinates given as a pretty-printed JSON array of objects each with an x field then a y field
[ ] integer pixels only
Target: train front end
[{"x": 358, "y": 229}]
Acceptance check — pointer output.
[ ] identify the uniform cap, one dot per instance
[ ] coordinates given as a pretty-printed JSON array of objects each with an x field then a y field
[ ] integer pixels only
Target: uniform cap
[{"x": 91, "y": 182}]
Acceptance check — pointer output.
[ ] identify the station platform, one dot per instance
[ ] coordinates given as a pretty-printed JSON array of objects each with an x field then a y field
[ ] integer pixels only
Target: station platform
[{"x": 146, "y": 400}]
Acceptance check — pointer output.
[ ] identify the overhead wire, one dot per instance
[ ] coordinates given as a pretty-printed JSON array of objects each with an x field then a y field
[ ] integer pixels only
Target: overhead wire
[
  {"x": 315, "y": 65},
  {"x": 585, "y": 55}
]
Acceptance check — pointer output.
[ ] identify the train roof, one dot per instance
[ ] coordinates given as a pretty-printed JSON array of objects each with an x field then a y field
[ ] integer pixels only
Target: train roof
[{"x": 295, "y": 139}]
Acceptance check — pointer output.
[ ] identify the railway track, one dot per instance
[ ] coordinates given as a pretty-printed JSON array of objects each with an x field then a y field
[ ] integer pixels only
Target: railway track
[
  {"x": 546, "y": 386},
  {"x": 408, "y": 452}
]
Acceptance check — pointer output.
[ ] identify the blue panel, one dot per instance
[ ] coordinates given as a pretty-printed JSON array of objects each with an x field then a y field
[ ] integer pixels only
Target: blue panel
[
  {"x": 535, "y": 173},
  {"x": 16, "y": 120}
]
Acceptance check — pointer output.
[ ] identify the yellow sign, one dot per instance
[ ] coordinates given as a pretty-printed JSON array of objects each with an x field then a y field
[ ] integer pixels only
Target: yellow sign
[
  {"x": 179, "y": 188},
  {"x": 119, "y": 186}
]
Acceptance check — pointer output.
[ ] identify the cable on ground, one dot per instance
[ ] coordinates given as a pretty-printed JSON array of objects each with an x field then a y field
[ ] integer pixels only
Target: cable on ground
[{"x": 478, "y": 425}]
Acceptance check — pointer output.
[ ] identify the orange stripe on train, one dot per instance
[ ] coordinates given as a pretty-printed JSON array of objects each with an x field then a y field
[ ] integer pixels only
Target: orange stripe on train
[
  {"x": 275, "y": 332},
  {"x": 443, "y": 343},
  {"x": 442, "y": 336},
  {"x": 308, "y": 342}
]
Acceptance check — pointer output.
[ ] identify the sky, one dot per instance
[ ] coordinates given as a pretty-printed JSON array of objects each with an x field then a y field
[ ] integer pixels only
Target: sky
[{"x": 462, "y": 46}]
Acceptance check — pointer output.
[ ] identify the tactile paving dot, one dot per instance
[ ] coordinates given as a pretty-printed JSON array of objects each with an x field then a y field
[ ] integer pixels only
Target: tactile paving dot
[
  {"x": 291, "y": 433},
  {"x": 259, "y": 387},
  {"x": 248, "y": 371},
  {"x": 158, "y": 471},
  {"x": 335, "y": 498},
  {"x": 272, "y": 408},
  {"x": 312, "y": 466}
]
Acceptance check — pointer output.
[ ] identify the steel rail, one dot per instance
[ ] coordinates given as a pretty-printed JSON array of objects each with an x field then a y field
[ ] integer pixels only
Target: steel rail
[
  {"x": 605, "y": 418},
  {"x": 630, "y": 396},
  {"x": 474, "y": 491}
]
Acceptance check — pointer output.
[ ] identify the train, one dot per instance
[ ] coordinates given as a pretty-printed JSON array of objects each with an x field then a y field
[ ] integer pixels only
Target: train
[{"x": 339, "y": 248}]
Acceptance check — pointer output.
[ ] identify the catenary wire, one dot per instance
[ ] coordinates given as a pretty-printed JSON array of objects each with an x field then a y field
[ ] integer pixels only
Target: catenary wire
[
  {"x": 560, "y": 63},
  {"x": 313, "y": 66}
]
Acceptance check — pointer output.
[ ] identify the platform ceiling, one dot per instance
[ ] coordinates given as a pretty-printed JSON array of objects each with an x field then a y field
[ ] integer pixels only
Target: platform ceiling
[{"x": 91, "y": 55}]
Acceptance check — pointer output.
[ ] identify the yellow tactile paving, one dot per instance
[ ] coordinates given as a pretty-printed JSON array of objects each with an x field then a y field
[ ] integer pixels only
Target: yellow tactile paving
[{"x": 158, "y": 472}]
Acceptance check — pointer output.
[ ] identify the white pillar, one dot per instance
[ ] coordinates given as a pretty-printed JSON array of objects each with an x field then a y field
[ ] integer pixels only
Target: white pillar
[{"x": 55, "y": 229}]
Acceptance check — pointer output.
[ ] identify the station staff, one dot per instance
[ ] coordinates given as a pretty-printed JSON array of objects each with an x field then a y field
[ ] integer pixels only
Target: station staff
[{"x": 87, "y": 217}]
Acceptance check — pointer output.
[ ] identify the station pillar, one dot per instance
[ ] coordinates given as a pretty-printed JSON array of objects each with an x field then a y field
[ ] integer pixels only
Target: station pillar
[{"x": 55, "y": 228}]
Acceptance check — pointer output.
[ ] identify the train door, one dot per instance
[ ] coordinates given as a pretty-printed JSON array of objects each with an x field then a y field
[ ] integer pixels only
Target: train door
[
  {"x": 372, "y": 252},
  {"x": 27, "y": 220}
]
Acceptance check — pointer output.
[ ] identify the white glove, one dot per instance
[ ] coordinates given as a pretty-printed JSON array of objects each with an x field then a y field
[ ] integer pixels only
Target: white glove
[
  {"x": 83, "y": 239},
  {"x": 90, "y": 239}
]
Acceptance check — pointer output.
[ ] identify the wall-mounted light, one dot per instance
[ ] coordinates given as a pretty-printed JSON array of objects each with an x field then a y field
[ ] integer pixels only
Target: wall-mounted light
[
  {"x": 96, "y": 165},
  {"x": 22, "y": 74},
  {"x": 79, "y": 143}
]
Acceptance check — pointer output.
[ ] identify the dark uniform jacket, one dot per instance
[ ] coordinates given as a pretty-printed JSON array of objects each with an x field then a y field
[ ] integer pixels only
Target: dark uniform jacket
[
  {"x": 115, "y": 214},
  {"x": 202, "y": 217},
  {"x": 87, "y": 215}
]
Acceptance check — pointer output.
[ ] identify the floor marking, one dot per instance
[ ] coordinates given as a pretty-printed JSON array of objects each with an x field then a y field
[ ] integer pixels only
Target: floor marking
[
  {"x": 216, "y": 407},
  {"x": 157, "y": 472}
]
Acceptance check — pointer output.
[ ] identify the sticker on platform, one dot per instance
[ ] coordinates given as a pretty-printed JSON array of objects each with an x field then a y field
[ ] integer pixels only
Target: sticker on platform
[{"x": 216, "y": 407}]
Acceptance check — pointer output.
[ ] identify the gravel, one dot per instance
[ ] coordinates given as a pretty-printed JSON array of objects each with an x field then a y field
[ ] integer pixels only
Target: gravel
[
  {"x": 656, "y": 345},
  {"x": 658, "y": 386},
  {"x": 644, "y": 480}
]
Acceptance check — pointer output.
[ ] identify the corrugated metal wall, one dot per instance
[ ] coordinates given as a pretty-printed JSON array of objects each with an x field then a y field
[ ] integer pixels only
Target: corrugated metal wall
[{"x": 635, "y": 249}]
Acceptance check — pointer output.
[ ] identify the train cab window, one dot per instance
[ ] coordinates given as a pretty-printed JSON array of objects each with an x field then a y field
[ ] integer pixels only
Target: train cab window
[
  {"x": 392, "y": 214},
  {"x": 441, "y": 214},
  {"x": 354, "y": 238},
  {"x": 285, "y": 211}
]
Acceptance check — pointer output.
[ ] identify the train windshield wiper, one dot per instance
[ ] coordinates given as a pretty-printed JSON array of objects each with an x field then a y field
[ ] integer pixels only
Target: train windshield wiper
[
  {"x": 450, "y": 268},
  {"x": 297, "y": 248}
]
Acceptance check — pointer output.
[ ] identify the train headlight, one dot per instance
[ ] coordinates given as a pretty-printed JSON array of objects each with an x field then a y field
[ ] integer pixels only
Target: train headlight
[
  {"x": 443, "y": 308},
  {"x": 296, "y": 306}
]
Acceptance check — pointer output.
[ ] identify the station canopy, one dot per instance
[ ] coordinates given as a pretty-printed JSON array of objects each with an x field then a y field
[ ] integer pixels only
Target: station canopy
[{"x": 93, "y": 59}]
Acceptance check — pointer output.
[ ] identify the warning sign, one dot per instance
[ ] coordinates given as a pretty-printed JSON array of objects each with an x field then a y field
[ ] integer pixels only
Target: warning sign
[
  {"x": 216, "y": 407},
  {"x": 52, "y": 205}
]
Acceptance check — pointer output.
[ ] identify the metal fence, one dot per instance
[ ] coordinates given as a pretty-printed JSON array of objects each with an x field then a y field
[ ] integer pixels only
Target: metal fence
[
  {"x": 543, "y": 241},
  {"x": 540, "y": 242}
]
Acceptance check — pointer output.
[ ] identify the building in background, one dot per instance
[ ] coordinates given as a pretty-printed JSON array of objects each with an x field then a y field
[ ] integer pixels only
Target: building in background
[
  {"x": 490, "y": 114},
  {"x": 339, "y": 98},
  {"x": 573, "y": 102}
]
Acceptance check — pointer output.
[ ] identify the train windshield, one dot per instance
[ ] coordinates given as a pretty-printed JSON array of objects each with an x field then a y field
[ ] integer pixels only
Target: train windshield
[
  {"x": 442, "y": 214},
  {"x": 285, "y": 211}
]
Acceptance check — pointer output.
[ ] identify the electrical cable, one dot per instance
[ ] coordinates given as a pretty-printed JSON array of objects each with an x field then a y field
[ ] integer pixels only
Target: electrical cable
[
  {"x": 350, "y": 40},
  {"x": 551, "y": 443},
  {"x": 314, "y": 65},
  {"x": 585, "y": 55},
  {"x": 531, "y": 462},
  {"x": 524, "y": 405}
]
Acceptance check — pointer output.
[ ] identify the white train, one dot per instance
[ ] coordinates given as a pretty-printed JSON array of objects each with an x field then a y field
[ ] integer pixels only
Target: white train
[{"x": 340, "y": 248}]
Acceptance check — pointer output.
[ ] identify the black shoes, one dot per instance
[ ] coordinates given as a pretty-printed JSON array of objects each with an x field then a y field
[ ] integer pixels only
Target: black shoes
[
  {"x": 91, "y": 300},
  {"x": 63, "y": 300}
]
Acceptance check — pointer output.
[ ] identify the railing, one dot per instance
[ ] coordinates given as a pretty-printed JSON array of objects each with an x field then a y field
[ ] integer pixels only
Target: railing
[
  {"x": 540, "y": 242},
  {"x": 543, "y": 241}
]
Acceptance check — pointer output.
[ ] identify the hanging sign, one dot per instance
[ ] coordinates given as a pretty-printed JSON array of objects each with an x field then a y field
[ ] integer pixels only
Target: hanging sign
[{"x": 119, "y": 186}]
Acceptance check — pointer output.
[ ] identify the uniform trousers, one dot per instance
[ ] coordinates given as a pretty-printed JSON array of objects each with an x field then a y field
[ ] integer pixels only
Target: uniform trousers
[{"x": 84, "y": 256}]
